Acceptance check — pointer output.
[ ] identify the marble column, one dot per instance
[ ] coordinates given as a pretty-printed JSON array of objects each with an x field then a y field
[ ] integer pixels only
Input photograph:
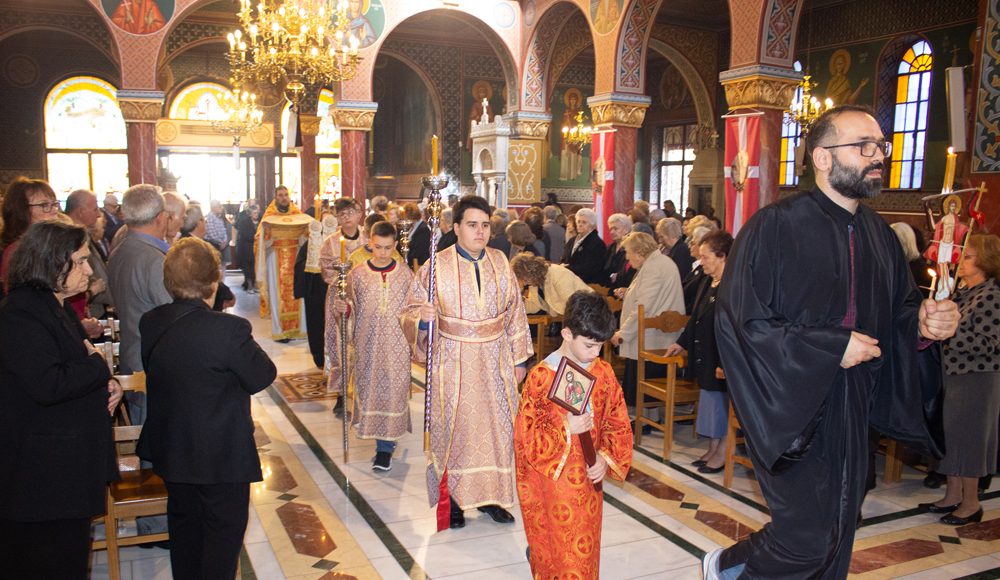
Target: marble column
[
  {"x": 767, "y": 90},
  {"x": 309, "y": 126},
  {"x": 617, "y": 118},
  {"x": 141, "y": 109},
  {"x": 354, "y": 120}
]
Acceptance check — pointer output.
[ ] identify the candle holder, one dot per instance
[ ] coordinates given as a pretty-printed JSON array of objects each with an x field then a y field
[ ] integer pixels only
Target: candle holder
[
  {"x": 342, "y": 268},
  {"x": 435, "y": 183},
  {"x": 404, "y": 239}
]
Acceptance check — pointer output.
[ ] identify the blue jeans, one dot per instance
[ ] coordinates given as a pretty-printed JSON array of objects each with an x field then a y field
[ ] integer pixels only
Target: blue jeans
[{"x": 385, "y": 446}]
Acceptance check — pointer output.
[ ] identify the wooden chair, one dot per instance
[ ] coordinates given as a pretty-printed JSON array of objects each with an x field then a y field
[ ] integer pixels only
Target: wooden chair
[
  {"x": 893, "y": 461},
  {"x": 135, "y": 383},
  {"x": 616, "y": 306},
  {"x": 731, "y": 442},
  {"x": 667, "y": 392},
  {"x": 139, "y": 492},
  {"x": 541, "y": 322}
]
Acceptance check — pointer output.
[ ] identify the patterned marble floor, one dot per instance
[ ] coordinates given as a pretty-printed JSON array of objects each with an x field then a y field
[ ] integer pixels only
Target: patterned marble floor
[{"x": 316, "y": 516}]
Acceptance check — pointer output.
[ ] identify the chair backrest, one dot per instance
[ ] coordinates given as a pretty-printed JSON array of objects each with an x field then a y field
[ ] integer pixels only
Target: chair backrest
[
  {"x": 125, "y": 438},
  {"x": 133, "y": 382},
  {"x": 666, "y": 321}
]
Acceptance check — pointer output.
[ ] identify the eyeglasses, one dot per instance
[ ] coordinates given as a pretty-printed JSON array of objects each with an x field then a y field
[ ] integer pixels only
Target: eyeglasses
[
  {"x": 46, "y": 206},
  {"x": 868, "y": 148}
]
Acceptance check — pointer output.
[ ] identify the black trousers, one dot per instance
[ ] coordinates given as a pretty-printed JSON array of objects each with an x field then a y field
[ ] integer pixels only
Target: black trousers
[
  {"x": 53, "y": 549},
  {"x": 316, "y": 326},
  {"x": 207, "y": 524}
]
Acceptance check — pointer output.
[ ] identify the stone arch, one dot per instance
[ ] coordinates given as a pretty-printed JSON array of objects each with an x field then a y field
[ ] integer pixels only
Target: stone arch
[
  {"x": 428, "y": 82},
  {"x": 536, "y": 76},
  {"x": 630, "y": 54},
  {"x": 779, "y": 32},
  {"x": 484, "y": 160},
  {"x": 699, "y": 92}
]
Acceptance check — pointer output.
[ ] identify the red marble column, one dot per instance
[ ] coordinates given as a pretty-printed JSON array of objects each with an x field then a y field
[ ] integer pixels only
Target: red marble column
[
  {"x": 353, "y": 166},
  {"x": 141, "y": 109},
  {"x": 617, "y": 119},
  {"x": 770, "y": 155}
]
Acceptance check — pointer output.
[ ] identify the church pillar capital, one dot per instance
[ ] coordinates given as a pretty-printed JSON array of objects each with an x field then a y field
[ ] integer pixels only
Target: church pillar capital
[
  {"x": 141, "y": 110},
  {"x": 354, "y": 115},
  {"x": 309, "y": 124},
  {"x": 618, "y": 110},
  {"x": 759, "y": 87},
  {"x": 140, "y": 106},
  {"x": 528, "y": 125}
]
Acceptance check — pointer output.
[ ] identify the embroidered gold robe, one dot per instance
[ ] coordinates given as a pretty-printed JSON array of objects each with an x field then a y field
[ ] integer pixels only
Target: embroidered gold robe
[
  {"x": 481, "y": 334},
  {"x": 329, "y": 257},
  {"x": 561, "y": 509},
  {"x": 275, "y": 248},
  {"x": 381, "y": 362}
]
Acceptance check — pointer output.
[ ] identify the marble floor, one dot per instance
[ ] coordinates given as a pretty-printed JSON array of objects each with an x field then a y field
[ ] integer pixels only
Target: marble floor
[{"x": 318, "y": 516}]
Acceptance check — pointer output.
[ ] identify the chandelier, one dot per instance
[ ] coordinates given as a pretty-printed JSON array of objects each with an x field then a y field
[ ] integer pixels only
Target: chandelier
[
  {"x": 805, "y": 107},
  {"x": 294, "y": 43},
  {"x": 241, "y": 116},
  {"x": 579, "y": 134}
]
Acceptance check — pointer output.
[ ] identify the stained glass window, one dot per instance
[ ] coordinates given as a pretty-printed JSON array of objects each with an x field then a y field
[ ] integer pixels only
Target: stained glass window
[
  {"x": 85, "y": 137},
  {"x": 791, "y": 134},
  {"x": 913, "y": 88},
  {"x": 199, "y": 102}
]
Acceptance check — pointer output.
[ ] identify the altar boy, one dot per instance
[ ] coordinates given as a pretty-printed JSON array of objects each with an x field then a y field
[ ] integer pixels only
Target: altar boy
[{"x": 552, "y": 475}]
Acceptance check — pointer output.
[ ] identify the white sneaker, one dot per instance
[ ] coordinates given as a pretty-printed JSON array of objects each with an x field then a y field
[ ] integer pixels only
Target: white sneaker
[{"x": 710, "y": 565}]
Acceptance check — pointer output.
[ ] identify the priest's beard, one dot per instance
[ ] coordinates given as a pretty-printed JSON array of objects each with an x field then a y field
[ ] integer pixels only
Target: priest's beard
[
  {"x": 854, "y": 184},
  {"x": 282, "y": 208}
]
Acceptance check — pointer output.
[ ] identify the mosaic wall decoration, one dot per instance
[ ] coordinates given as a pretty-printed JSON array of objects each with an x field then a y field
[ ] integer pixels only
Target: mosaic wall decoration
[
  {"x": 780, "y": 26},
  {"x": 986, "y": 139},
  {"x": 850, "y": 22},
  {"x": 139, "y": 16},
  {"x": 367, "y": 20},
  {"x": 605, "y": 14},
  {"x": 630, "y": 50},
  {"x": 187, "y": 32},
  {"x": 87, "y": 25}
]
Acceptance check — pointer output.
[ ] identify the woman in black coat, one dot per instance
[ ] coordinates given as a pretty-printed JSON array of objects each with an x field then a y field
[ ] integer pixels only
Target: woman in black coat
[
  {"x": 201, "y": 368},
  {"x": 56, "y": 397},
  {"x": 698, "y": 339}
]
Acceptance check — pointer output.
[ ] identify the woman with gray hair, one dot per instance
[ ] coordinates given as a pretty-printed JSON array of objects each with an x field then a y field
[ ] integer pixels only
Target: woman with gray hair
[
  {"x": 918, "y": 266},
  {"x": 523, "y": 240},
  {"x": 657, "y": 286},
  {"x": 617, "y": 271}
]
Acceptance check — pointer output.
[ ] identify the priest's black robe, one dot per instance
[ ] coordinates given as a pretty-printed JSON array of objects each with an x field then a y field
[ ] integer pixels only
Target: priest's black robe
[{"x": 782, "y": 327}]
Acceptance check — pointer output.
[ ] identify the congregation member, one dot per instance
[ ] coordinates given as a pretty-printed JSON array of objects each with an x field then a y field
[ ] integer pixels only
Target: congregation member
[
  {"x": 499, "y": 221},
  {"x": 562, "y": 510},
  {"x": 815, "y": 288},
  {"x": 246, "y": 228},
  {"x": 535, "y": 219},
  {"x": 216, "y": 227},
  {"x": 81, "y": 207},
  {"x": 549, "y": 286},
  {"x": 698, "y": 339},
  {"x": 448, "y": 236},
  {"x": 365, "y": 252},
  {"x": 194, "y": 227},
  {"x": 522, "y": 240},
  {"x": 377, "y": 290},
  {"x": 310, "y": 287},
  {"x": 618, "y": 273},
  {"x": 201, "y": 368},
  {"x": 586, "y": 257},
  {"x": 344, "y": 241},
  {"x": 26, "y": 202},
  {"x": 697, "y": 275},
  {"x": 481, "y": 346},
  {"x": 279, "y": 234},
  {"x": 112, "y": 212},
  {"x": 657, "y": 286},
  {"x": 97, "y": 237},
  {"x": 570, "y": 236},
  {"x": 556, "y": 233},
  {"x": 176, "y": 208},
  {"x": 971, "y": 385},
  {"x": 56, "y": 401},
  {"x": 919, "y": 267},
  {"x": 671, "y": 237},
  {"x": 420, "y": 234}
]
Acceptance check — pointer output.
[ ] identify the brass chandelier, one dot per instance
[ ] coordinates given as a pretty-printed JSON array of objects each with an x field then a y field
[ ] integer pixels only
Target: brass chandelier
[
  {"x": 578, "y": 135},
  {"x": 242, "y": 116},
  {"x": 294, "y": 43}
]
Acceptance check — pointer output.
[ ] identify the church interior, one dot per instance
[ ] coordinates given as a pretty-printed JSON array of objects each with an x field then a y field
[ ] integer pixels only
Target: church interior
[{"x": 106, "y": 94}]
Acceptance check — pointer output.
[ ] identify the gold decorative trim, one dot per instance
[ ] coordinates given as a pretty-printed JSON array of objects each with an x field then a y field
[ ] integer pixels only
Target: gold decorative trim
[
  {"x": 759, "y": 91},
  {"x": 527, "y": 129},
  {"x": 309, "y": 124},
  {"x": 618, "y": 114},
  {"x": 353, "y": 119},
  {"x": 140, "y": 110}
]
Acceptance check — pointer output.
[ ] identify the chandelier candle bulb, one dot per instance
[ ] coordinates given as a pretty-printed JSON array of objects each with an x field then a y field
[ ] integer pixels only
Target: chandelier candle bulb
[{"x": 949, "y": 171}]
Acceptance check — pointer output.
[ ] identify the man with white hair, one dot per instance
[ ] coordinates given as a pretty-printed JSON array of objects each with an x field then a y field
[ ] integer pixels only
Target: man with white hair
[
  {"x": 215, "y": 226},
  {"x": 586, "y": 259},
  {"x": 175, "y": 207},
  {"x": 112, "y": 219},
  {"x": 617, "y": 272},
  {"x": 81, "y": 207}
]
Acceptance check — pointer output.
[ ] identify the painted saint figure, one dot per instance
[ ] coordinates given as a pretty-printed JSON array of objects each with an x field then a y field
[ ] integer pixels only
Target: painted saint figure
[
  {"x": 570, "y": 165},
  {"x": 949, "y": 235},
  {"x": 138, "y": 16}
]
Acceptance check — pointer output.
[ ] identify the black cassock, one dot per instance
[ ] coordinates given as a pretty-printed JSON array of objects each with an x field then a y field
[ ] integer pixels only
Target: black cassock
[{"x": 782, "y": 326}]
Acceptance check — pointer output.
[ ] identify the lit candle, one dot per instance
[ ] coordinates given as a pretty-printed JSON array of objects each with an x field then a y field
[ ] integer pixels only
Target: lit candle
[
  {"x": 343, "y": 250},
  {"x": 434, "y": 155},
  {"x": 949, "y": 170},
  {"x": 933, "y": 274}
]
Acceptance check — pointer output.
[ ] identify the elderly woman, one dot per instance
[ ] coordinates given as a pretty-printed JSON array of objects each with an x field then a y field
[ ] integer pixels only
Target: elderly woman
[
  {"x": 618, "y": 273},
  {"x": 201, "y": 368},
  {"x": 56, "y": 398},
  {"x": 670, "y": 234},
  {"x": 918, "y": 265},
  {"x": 194, "y": 227},
  {"x": 549, "y": 285},
  {"x": 657, "y": 286},
  {"x": 586, "y": 254},
  {"x": 523, "y": 240},
  {"x": 698, "y": 339},
  {"x": 971, "y": 384},
  {"x": 27, "y": 201}
]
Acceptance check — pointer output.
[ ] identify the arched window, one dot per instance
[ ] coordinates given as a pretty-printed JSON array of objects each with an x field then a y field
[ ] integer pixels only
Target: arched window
[
  {"x": 327, "y": 150},
  {"x": 913, "y": 88},
  {"x": 199, "y": 102},
  {"x": 85, "y": 139},
  {"x": 791, "y": 133}
]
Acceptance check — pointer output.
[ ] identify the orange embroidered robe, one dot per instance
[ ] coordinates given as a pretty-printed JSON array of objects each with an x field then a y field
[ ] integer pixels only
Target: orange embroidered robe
[
  {"x": 275, "y": 249},
  {"x": 561, "y": 510}
]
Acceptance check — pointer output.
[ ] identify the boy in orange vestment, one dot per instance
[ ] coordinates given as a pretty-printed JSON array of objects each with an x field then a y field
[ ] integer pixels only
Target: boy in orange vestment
[{"x": 561, "y": 509}]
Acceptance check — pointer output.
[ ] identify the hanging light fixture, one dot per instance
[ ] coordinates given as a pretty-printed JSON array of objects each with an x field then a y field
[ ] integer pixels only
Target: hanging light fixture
[
  {"x": 805, "y": 107},
  {"x": 242, "y": 116},
  {"x": 578, "y": 134},
  {"x": 294, "y": 43}
]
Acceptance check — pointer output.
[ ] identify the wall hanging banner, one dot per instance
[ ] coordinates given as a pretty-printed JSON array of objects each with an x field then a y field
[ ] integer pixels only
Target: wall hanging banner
[
  {"x": 602, "y": 179},
  {"x": 742, "y": 169}
]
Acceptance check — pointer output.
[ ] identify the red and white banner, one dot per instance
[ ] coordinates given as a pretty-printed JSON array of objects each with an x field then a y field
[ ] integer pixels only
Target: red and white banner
[
  {"x": 742, "y": 169},
  {"x": 602, "y": 178}
]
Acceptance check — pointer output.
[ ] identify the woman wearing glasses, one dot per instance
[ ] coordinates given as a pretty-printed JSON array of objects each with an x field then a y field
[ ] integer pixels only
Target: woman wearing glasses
[{"x": 27, "y": 201}]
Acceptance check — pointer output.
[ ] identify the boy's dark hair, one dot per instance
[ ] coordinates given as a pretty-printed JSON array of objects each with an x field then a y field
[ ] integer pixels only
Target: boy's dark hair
[
  {"x": 587, "y": 314},
  {"x": 466, "y": 203},
  {"x": 383, "y": 229},
  {"x": 344, "y": 203}
]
